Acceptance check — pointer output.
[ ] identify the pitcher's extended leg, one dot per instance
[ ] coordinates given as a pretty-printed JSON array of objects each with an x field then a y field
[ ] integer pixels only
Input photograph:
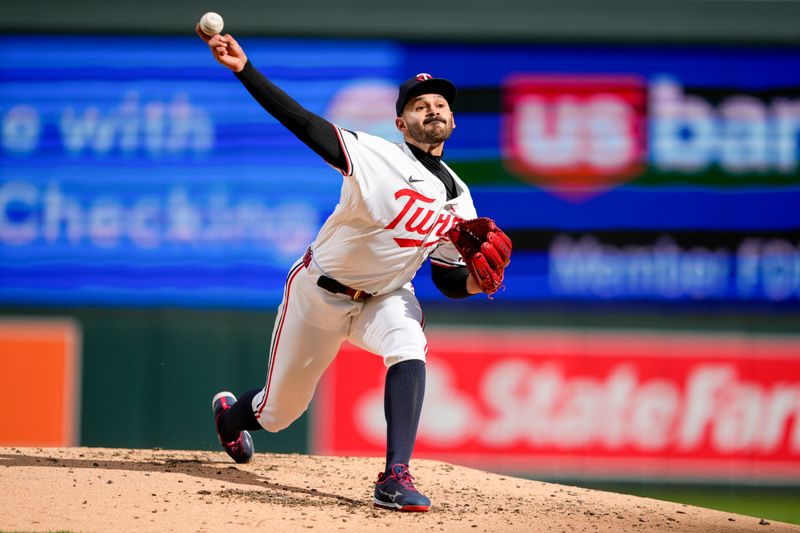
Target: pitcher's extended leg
[{"x": 391, "y": 325}]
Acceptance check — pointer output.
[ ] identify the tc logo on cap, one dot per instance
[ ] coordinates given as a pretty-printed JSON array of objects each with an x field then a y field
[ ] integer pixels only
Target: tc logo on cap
[{"x": 422, "y": 76}]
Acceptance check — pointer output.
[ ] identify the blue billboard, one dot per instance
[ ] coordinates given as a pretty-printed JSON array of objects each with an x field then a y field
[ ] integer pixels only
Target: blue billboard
[{"x": 622, "y": 173}]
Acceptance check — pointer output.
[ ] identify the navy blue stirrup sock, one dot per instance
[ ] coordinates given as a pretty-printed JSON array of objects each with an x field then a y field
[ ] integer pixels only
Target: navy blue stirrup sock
[
  {"x": 239, "y": 417},
  {"x": 402, "y": 405}
]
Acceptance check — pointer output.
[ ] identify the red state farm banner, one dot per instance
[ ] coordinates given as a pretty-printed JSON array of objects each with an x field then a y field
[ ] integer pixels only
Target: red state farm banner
[{"x": 576, "y": 403}]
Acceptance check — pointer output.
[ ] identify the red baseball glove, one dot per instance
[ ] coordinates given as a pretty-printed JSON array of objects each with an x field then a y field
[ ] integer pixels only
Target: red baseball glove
[{"x": 485, "y": 249}]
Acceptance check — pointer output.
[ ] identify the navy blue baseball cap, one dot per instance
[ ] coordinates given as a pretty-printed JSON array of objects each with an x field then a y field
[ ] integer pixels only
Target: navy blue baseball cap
[{"x": 424, "y": 83}]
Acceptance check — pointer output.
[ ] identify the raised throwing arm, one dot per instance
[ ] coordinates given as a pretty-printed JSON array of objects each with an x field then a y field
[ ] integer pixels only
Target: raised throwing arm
[{"x": 316, "y": 132}]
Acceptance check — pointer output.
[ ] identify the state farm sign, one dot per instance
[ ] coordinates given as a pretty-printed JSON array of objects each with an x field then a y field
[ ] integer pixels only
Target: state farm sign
[{"x": 586, "y": 404}]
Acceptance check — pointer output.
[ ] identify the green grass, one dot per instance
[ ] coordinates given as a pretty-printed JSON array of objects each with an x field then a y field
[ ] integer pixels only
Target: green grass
[{"x": 776, "y": 503}]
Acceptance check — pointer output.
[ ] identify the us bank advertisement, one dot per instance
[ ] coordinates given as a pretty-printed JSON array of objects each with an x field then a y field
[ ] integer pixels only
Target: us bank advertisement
[{"x": 622, "y": 173}]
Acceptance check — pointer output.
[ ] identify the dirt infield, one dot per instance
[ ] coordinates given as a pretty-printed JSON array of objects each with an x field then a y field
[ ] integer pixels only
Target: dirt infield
[{"x": 96, "y": 489}]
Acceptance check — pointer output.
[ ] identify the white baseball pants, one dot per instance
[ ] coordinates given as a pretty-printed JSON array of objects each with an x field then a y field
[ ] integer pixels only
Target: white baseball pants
[{"x": 311, "y": 325}]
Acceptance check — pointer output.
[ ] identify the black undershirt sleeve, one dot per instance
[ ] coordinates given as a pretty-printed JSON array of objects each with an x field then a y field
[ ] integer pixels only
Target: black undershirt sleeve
[
  {"x": 316, "y": 132},
  {"x": 452, "y": 282}
]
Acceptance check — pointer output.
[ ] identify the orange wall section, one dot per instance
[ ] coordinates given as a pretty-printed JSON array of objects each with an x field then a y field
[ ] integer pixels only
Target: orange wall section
[{"x": 40, "y": 381}]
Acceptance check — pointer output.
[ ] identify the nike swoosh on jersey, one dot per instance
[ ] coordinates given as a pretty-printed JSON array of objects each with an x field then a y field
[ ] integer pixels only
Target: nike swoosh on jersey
[{"x": 412, "y": 180}]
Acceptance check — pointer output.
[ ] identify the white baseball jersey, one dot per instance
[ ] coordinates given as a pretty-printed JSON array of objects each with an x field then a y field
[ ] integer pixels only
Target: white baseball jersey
[{"x": 393, "y": 213}]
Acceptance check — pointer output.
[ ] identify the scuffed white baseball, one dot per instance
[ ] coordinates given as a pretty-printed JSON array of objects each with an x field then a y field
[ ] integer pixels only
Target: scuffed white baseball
[{"x": 211, "y": 23}]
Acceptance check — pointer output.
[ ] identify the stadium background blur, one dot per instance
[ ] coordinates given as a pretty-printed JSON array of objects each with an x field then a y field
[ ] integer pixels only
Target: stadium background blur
[{"x": 642, "y": 155}]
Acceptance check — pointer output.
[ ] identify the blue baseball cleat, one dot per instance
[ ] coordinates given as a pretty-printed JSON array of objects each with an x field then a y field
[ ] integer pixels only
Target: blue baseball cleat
[
  {"x": 396, "y": 491},
  {"x": 241, "y": 449}
]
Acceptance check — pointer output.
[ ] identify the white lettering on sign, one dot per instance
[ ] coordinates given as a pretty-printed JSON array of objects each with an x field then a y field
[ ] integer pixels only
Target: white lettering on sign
[
  {"x": 763, "y": 268},
  {"x": 171, "y": 218},
  {"x": 586, "y": 266},
  {"x": 17, "y": 227},
  {"x": 156, "y": 128},
  {"x": 539, "y": 406},
  {"x": 768, "y": 266},
  {"x": 742, "y": 134},
  {"x": 569, "y": 132},
  {"x": 21, "y": 129}
]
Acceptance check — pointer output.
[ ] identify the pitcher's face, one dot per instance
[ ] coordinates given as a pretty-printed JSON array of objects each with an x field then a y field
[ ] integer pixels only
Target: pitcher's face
[{"x": 427, "y": 119}]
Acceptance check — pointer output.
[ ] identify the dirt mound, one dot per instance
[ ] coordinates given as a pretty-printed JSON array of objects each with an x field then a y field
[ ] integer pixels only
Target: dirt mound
[{"x": 96, "y": 489}]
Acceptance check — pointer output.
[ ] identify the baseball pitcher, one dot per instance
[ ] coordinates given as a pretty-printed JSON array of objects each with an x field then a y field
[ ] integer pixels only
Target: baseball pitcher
[{"x": 400, "y": 204}]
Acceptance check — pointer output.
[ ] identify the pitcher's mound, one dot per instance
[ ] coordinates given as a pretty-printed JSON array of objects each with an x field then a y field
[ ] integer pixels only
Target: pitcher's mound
[{"x": 96, "y": 489}]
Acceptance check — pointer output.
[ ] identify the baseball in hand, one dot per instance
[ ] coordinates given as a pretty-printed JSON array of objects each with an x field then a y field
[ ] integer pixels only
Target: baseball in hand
[{"x": 211, "y": 23}]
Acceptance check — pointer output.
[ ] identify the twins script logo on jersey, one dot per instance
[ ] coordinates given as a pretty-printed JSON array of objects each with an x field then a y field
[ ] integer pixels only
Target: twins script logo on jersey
[{"x": 420, "y": 220}]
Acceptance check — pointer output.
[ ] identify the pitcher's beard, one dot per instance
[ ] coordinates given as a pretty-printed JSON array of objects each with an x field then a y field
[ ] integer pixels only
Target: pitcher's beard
[{"x": 425, "y": 134}]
